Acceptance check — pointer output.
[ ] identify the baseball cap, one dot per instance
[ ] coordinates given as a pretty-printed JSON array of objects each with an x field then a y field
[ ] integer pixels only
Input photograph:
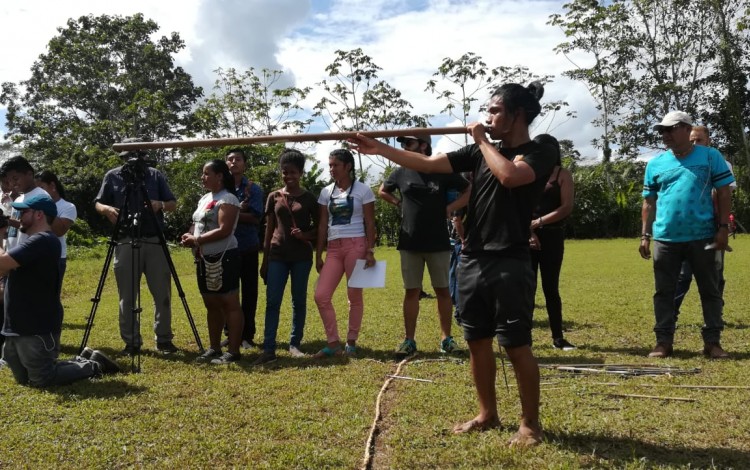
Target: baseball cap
[
  {"x": 425, "y": 138},
  {"x": 38, "y": 202},
  {"x": 672, "y": 118},
  {"x": 129, "y": 140}
]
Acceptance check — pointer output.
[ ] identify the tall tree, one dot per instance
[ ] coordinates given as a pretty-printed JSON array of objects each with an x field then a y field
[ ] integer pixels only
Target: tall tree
[
  {"x": 464, "y": 86},
  {"x": 102, "y": 78},
  {"x": 251, "y": 103},
  {"x": 354, "y": 101}
]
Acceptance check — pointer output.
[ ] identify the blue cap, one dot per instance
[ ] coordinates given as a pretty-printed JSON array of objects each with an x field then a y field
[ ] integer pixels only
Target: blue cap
[{"x": 38, "y": 202}]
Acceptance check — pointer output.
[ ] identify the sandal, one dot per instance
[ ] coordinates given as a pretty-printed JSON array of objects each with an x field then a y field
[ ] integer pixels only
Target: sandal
[{"x": 328, "y": 352}]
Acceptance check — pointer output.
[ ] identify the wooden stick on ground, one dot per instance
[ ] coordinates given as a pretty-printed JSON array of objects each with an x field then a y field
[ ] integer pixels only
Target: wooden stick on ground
[{"x": 651, "y": 397}]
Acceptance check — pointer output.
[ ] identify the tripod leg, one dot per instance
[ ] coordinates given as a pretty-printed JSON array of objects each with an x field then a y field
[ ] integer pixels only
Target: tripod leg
[{"x": 98, "y": 295}]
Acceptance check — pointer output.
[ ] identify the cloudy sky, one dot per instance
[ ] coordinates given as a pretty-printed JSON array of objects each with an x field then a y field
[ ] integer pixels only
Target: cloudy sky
[{"x": 408, "y": 39}]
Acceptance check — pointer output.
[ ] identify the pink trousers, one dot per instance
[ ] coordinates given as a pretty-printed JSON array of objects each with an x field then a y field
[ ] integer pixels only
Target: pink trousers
[{"x": 340, "y": 258}]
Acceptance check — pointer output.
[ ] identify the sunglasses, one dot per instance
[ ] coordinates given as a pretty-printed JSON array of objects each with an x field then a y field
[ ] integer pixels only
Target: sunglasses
[{"x": 667, "y": 130}]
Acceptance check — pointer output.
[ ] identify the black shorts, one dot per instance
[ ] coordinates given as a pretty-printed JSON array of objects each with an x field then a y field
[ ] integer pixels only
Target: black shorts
[
  {"x": 230, "y": 275},
  {"x": 496, "y": 297}
]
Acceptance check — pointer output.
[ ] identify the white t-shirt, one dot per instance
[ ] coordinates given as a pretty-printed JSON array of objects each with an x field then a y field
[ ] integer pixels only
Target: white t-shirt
[
  {"x": 65, "y": 210},
  {"x": 15, "y": 236},
  {"x": 345, "y": 214},
  {"x": 206, "y": 218}
]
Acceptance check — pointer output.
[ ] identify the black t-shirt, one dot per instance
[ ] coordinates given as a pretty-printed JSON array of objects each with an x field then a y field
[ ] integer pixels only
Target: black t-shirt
[
  {"x": 32, "y": 298},
  {"x": 305, "y": 211},
  {"x": 423, "y": 200},
  {"x": 498, "y": 218}
]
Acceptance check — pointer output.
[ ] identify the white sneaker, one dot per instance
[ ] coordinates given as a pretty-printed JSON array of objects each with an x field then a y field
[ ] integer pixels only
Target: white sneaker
[
  {"x": 295, "y": 352},
  {"x": 225, "y": 342},
  {"x": 247, "y": 344}
]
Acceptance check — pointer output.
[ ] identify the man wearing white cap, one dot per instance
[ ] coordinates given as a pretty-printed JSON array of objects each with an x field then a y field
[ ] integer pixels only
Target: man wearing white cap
[{"x": 678, "y": 214}]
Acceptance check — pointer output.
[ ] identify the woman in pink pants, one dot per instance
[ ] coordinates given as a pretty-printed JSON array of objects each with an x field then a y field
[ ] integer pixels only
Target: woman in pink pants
[{"x": 347, "y": 225}]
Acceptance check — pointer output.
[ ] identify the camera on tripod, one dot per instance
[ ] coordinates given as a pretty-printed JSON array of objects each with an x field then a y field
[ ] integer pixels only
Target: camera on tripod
[{"x": 135, "y": 169}]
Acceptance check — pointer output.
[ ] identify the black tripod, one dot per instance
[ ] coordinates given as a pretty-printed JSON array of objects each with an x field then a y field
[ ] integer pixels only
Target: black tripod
[{"x": 126, "y": 213}]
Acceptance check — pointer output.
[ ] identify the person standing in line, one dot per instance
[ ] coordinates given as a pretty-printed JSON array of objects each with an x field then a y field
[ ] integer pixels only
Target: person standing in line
[
  {"x": 151, "y": 260},
  {"x": 291, "y": 227},
  {"x": 678, "y": 213},
  {"x": 547, "y": 225},
  {"x": 423, "y": 238},
  {"x": 698, "y": 136},
  {"x": 218, "y": 261},
  {"x": 21, "y": 176},
  {"x": 496, "y": 297},
  {"x": 66, "y": 213},
  {"x": 347, "y": 228},
  {"x": 250, "y": 196}
]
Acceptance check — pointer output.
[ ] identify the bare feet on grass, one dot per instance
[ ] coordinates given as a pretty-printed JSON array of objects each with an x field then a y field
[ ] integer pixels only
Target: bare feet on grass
[
  {"x": 526, "y": 437},
  {"x": 477, "y": 424}
]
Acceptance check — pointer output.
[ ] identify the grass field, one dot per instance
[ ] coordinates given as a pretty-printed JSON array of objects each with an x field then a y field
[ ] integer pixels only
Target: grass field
[{"x": 300, "y": 413}]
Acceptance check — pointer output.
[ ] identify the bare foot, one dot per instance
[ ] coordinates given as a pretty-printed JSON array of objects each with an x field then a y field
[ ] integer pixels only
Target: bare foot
[
  {"x": 526, "y": 437},
  {"x": 477, "y": 425}
]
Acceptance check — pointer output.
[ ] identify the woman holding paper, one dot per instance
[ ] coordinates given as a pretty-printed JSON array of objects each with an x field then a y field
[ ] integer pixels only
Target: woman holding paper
[{"x": 347, "y": 227}]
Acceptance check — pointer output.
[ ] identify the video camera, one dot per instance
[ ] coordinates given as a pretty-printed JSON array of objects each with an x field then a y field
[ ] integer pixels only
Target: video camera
[{"x": 135, "y": 169}]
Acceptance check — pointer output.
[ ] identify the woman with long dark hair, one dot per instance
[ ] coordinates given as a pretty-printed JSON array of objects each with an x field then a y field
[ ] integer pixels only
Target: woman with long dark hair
[
  {"x": 66, "y": 213},
  {"x": 347, "y": 227},
  {"x": 217, "y": 259}
]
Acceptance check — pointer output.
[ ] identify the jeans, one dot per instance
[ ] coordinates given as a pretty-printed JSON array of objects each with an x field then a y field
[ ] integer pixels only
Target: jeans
[
  {"x": 668, "y": 259},
  {"x": 683, "y": 285},
  {"x": 33, "y": 361},
  {"x": 453, "y": 278},
  {"x": 341, "y": 257},
  {"x": 278, "y": 273}
]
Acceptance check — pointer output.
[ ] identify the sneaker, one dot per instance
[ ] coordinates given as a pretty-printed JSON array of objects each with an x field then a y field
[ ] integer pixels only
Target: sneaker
[
  {"x": 448, "y": 345},
  {"x": 106, "y": 365},
  {"x": 224, "y": 342},
  {"x": 86, "y": 353},
  {"x": 714, "y": 351},
  {"x": 561, "y": 343},
  {"x": 350, "y": 349},
  {"x": 661, "y": 350},
  {"x": 248, "y": 344},
  {"x": 425, "y": 295},
  {"x": 130, "y": 351},
  {"x": 208, "y": 355},
  {"x": 227, "y": 358},
  {"x": 265, "y": 358},
  {"x": 166, "y": 347},
  {"x": 406, "y": 349},
  {"x": 294, "y": 351}
]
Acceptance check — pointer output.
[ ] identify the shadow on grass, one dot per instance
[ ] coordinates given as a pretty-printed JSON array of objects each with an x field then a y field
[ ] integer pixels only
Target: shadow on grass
[
  {"x": 73, "y": 326},
  {"x": 110, "y": 388},
  {"x": 619, "y": 450},
  {"x": 642, "y": 352}
]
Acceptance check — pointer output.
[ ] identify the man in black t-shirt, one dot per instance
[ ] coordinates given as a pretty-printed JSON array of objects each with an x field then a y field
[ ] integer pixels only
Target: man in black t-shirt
[
  {"x": 423, "y": 238},
  {"x": 33, "y": 312},
  {"x": 496, "y": 296}
]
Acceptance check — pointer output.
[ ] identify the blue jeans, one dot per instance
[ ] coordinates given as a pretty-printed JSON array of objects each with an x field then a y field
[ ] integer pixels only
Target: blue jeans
[
  {"x": 668, "y": 259},
  {"x": 33, "y": 361},
  {"x": 278, "y": 273},
  {"x": 453, "y": 278}
]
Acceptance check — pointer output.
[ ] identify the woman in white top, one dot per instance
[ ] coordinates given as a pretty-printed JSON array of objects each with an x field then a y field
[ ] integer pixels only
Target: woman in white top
[
  {"x": 347, "y": 225},
  {"x": 217, "y": 259},
  {"x": 66, "y": 212}
]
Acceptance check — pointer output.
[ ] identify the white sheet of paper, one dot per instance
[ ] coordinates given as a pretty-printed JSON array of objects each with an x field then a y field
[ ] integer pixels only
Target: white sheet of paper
[{"x": 374, "y": 276}]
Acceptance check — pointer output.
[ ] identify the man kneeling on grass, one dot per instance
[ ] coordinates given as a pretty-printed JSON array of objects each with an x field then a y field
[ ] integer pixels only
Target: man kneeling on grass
[{"x": 33, "y": 312}]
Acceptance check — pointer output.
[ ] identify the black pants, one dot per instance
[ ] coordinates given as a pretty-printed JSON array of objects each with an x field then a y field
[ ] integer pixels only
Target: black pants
[
  {"x": 249, "y": 290},
  {"x": 548, "y": 260}
]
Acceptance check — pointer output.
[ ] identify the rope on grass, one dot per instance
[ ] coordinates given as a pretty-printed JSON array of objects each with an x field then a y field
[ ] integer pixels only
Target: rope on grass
[{"x": 370, "y": 445}]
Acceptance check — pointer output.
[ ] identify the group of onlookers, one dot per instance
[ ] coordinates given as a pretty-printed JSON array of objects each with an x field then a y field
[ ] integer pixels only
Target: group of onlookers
[{"x": 516, "y": 196}]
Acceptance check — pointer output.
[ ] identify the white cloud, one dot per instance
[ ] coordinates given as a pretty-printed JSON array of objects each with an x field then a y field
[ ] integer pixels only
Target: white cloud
[{"x": 407, "y": 38}]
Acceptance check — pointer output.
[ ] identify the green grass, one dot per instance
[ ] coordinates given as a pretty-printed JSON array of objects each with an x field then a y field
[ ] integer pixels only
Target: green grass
[{"x": 299, "y": 413}]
